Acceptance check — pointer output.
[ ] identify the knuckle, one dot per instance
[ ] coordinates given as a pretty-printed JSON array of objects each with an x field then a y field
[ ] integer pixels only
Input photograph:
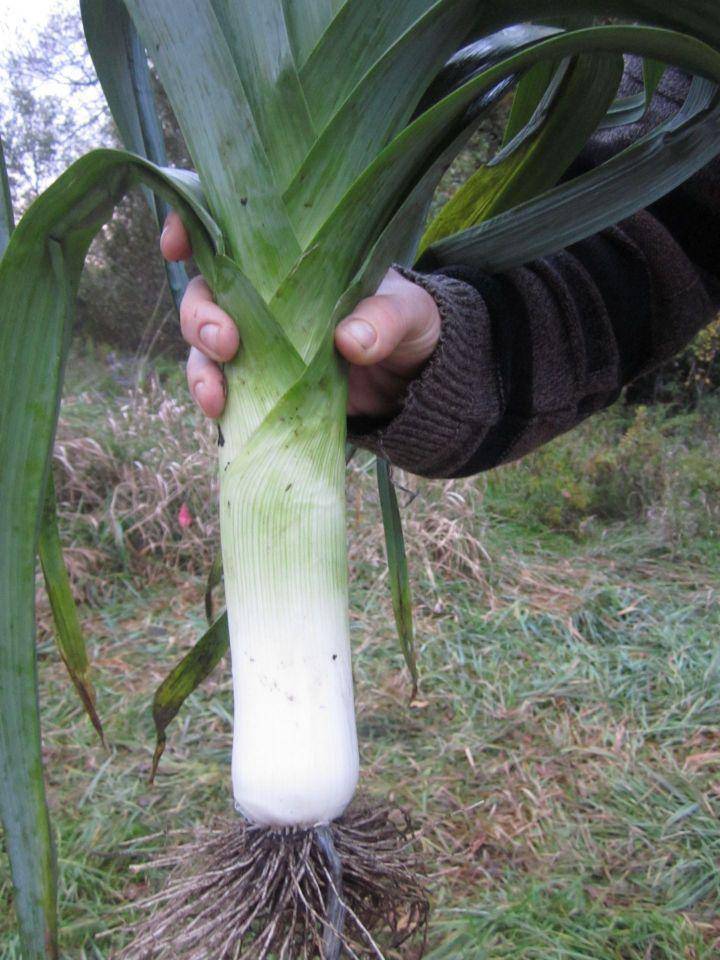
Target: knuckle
[
  {"x": 389, "y": 314},
  {"x": 191, "y": 369},
  {"x": 189, "y": 309},
  {"x": 186, "y": 323}
]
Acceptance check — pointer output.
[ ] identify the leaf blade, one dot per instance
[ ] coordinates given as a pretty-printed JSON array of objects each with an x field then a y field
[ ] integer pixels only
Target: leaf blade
[
  {"x": 355, "y": 39},
  {"x": 222, "y": 134},
  {"x": 306, "y": 24},
  {"x": 215, "y": 574},
  {"x": 368, "y": 119},
  {"x": 185, "y": 677},
  {"x": 121, "y": 67},
  {"x": 538, "y": 155},
  {"x": 528, "y": 95},
  {"x": 607, "y": 194},
  {"x": 39, "y": 272},
  {"x": 68, "y": 632},
  {"x": 398, "y": 570},
  {"x": 258, "y": 41}
]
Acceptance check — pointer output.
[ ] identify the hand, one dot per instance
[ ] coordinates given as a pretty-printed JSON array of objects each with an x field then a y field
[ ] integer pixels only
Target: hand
[{"x": 386, "y": 340}]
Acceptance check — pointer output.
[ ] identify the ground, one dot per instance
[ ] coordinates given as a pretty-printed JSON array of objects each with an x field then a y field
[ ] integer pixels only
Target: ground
[{"x": 561, "y": 760}]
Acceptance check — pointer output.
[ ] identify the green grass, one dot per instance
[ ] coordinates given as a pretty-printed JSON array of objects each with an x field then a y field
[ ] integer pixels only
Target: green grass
[{"x": 562, "y": 758}]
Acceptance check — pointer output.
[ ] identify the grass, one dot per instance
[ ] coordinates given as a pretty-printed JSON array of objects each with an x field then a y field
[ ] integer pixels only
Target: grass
[{"x": 562, "y": 758}]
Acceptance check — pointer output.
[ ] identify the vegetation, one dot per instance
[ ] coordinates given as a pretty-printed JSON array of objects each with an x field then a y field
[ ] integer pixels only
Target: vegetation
[
  {"x": 561, "y": 760},
  {"x": 290, "y": 231}
]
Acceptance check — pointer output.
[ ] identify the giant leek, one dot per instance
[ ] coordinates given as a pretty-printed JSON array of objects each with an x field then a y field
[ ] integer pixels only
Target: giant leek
[{"x": 319, "y": 130}]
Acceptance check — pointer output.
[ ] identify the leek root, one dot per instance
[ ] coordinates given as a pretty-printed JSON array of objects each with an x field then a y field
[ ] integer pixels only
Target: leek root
[{"x": 248, "y": 893}]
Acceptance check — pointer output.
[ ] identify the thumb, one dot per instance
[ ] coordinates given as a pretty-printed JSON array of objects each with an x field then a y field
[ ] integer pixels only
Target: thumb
[{"x": 400, "y": 325}]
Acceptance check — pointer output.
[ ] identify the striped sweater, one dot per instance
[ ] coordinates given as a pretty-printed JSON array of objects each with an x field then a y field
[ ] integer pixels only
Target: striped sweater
[{"x": 526, "y": 355}]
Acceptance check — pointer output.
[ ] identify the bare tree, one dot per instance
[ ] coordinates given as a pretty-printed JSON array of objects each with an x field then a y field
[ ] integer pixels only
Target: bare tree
[
  {"x": 51, "y": 105},
  {"x": 51, "y": 112}
]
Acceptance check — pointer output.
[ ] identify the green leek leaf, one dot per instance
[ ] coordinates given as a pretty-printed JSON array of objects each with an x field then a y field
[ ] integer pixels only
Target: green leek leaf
[
  {"x": 69, "y": 635},
  {"x": 528, "y": 96},
  {"x": 68, "y": 632},
  {"x": 121, "y": 66},
  {"x": 261, "y": 52},
  {"x": 538, "y": 155},
  {"x": 185, "y": 677},
  {"x": 398, "y": 569},
  {"x": 366, "y": 120},
  {"x": 631, "y": 109},
  {"x": 214, "y": 577},
  {"x": 698, "y": 18},
  {"x": 355, "y": 40},
  {"x": 652, "y": 75},
  {"x": 38, "y": 279},
  {"x": 471, "y": 60},
  {"x": 618, "y": 188},
  {"x": 306, "y": 23},
  {"x": 222, "y": 135}
]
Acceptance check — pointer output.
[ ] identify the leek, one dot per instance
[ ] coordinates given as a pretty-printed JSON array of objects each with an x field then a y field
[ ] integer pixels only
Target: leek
[{"x": 318, "y": 131}]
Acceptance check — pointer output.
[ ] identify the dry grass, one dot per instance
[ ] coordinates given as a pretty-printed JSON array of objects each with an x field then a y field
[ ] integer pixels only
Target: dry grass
[
  {"x": 129, "y": 474},
  {"x": 123, "y": 476},
  {"x": 561, "y": 759},
  {"x": 125, "y": 472}
]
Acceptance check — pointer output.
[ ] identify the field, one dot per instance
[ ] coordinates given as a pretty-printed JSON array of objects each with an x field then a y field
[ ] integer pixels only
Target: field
[{"x": 561, "y": 760}]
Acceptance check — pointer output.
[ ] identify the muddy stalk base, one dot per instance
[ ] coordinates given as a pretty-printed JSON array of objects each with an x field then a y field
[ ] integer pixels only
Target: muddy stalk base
[{"x": 249, "y": 893}]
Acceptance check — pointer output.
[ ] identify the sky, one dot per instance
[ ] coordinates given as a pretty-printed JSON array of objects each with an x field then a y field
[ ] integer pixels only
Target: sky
[
  {"x": 20, "y": 18},
  {"x": 20, "y": 21}
]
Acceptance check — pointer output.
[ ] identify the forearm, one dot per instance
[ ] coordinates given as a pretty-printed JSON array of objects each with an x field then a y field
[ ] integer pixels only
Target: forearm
[{"x": 527, "y": 355}]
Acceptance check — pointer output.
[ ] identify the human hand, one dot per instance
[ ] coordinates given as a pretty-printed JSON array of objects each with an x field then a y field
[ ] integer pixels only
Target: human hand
[{"x": 386, "y": 339}]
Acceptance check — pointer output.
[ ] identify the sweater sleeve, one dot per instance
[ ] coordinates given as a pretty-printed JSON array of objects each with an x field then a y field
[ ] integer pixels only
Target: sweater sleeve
[{"x": 526, "y": 355}]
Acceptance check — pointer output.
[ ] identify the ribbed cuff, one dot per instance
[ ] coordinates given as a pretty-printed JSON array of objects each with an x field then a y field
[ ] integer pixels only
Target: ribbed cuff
[{"x": 454, "y": 401}]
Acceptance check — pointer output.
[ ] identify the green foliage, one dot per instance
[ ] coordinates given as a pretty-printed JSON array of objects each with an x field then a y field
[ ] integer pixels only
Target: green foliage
[
  {"x": 569, "y": 921},
  {"x": 70, "y": 639},
  {"x": 39, "y": 273},
  {"x": 185, "y": 677},
  {"x": 633, "y": 463},
  {"x": 522, "y": 169},
  {"x": 686, "y": 378},
  {"x": 397, "y": 569},
  {"x": 561, "y": 765},
  {"x": 314, "y": 175},
  {"x": 602, "y": 196}
]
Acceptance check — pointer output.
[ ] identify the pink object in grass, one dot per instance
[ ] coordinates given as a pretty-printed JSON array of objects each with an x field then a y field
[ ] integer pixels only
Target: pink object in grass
[{"x": 184, "y": 517}]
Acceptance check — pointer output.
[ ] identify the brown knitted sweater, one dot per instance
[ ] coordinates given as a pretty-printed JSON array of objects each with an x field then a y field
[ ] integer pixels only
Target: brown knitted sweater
[{"x": 526, "y": 355}]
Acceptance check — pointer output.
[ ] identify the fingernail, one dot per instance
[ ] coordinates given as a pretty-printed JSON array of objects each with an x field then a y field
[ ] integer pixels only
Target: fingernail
[
  {"x": 361, "y": 331},
  {"x": 209, "y": 333}
]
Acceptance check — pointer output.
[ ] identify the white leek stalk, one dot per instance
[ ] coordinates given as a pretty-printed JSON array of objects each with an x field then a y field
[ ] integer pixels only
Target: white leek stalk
[{"x": 295, "y": 755}]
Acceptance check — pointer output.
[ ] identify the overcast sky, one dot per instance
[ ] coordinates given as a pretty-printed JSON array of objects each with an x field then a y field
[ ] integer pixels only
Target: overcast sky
[{"x": 21, "y": 18}]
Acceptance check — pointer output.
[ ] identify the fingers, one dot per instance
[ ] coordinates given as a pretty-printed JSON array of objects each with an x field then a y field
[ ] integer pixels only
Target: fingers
[
  {"x": 205, "y": 325},
  {"x": 210, "y": 332},
  {"x": 400, "y": 326},
  {"x": 206, "y": 382},
  {"x": 174, "y": 241},
  {"x": 214, "y": 338}
]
